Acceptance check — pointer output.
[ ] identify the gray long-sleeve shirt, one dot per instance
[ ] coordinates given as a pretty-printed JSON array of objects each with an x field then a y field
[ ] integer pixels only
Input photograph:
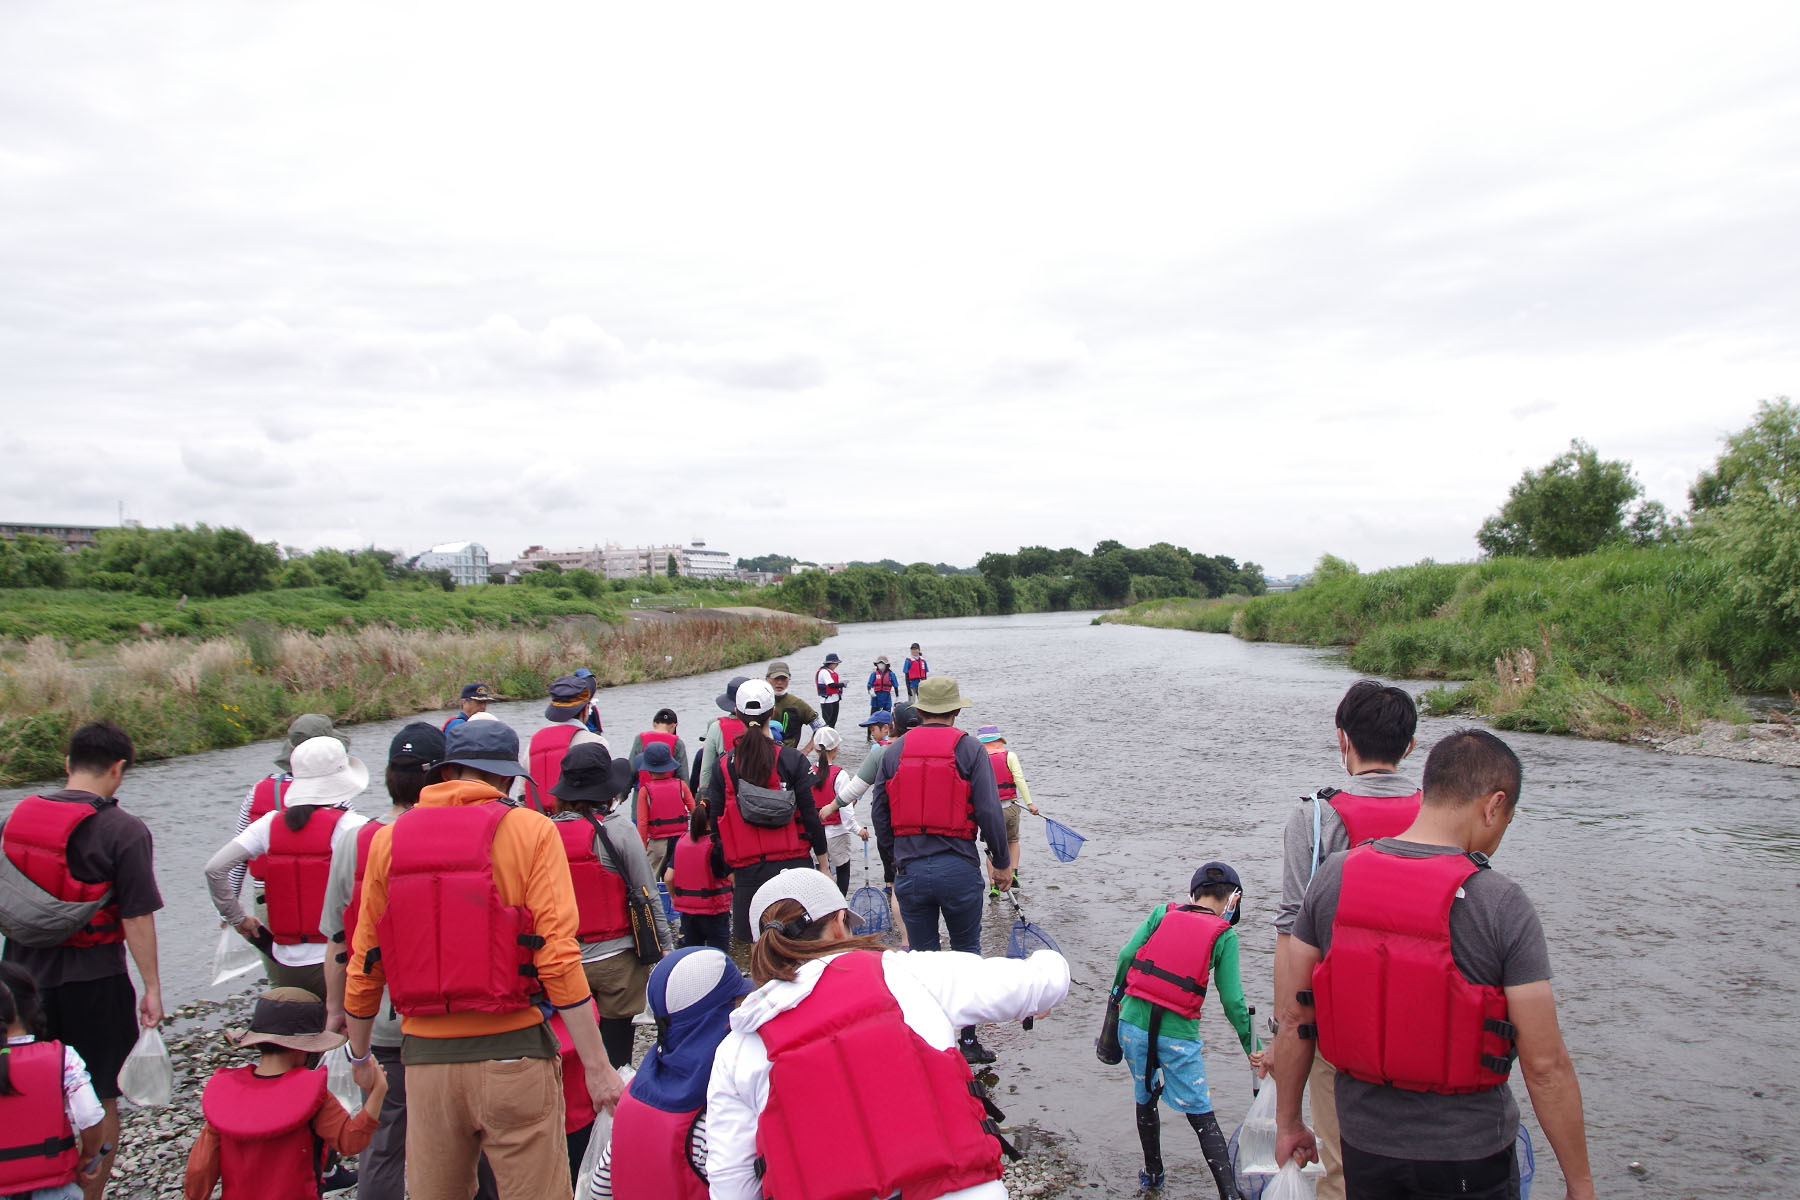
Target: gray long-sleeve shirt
[
  {"x": 973, "y": 764},
  {"x": 636, "y": 872},
  {"x": 1297, "y": 838}
]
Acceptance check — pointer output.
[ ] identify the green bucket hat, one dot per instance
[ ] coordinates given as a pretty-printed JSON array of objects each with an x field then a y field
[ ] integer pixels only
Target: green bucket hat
[
  {"x": 939, "y": 695},
  {"x": 304, "y": 728}
]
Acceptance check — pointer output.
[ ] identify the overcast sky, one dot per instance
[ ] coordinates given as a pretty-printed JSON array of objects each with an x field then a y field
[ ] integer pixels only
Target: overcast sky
[{"x": 851, "y": 281}]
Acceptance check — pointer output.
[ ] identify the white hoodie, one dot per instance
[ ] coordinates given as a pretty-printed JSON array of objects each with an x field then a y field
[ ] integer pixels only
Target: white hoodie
[{"x": 938, "y": 993}]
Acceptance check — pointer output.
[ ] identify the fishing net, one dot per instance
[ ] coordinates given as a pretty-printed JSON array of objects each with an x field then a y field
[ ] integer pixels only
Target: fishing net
[
  {"x": 1527, "y": 1162},
  {"x": 1065, "y": 843},
  {"x": 662, "y": 889},
  {"x": 870, "y": 903},
  {"x": 1027, "y": 938}
]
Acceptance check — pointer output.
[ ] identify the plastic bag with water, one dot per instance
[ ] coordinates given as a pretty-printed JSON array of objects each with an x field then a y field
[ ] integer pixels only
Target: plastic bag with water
[
  {"x": 340, "y": 1079},
  {"x": 1289, "y": 1184},
  {"x": 599, "y": 1138},
  {"x": 148, "y": 1077},
  {"x": 1256, "y": 1136},
  {"x": 233, "y": 957}
]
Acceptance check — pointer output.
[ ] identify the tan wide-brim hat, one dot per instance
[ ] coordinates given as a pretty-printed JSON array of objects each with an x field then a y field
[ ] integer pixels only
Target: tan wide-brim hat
[
  {"x": 939, "y": 695},
  {"x": 291, "y": 1018}
]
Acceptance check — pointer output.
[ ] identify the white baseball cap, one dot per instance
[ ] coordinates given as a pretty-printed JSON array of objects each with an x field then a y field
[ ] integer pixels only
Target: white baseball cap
[
  {"x": 814, "y": 890},
  {"x": 827, "y": 739},
  {"x": 755, "y": 697}
]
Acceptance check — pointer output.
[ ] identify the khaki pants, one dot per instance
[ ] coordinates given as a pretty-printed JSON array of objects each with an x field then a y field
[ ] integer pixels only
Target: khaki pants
[
  {"x": 1321, "y": 1081},
  {"x": 511, "y": 1111}
]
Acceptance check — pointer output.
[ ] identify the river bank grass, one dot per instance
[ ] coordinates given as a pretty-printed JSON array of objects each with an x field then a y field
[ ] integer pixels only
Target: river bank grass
[
  {"x": 1606, "y": 645},
  {"x": 183, "y": 696}
]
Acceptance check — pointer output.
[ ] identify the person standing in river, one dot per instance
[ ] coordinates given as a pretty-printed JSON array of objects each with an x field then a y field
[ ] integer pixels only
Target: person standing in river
[
  {"x": 882, "y": 686},
  {"x": 917, "y": 671},
  {"x": 1424, "y": 976},
  {"x": 830, "y": 686},
  {"x": 1009, "y": 779},
  {"x": 77, "y": 846},
  {"x": 1375, "y": 727},
  {"x": 934, "y": 792}
]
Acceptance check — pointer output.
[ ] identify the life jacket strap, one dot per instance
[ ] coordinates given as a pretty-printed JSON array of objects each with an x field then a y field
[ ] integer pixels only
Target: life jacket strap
[
  {"x": 1181, "y": 981},
  {"x": 50, "y": 1147}
]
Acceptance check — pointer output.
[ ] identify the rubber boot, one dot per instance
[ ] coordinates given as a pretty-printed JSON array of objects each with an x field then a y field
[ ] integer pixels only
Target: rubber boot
[
  {"x": 1218, "y": 1155},
  {"x": 1149, "y": 1127}
]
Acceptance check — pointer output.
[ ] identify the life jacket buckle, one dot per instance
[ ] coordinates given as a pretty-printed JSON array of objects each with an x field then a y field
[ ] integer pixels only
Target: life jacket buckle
[{"x": 1308, "y": 1032}]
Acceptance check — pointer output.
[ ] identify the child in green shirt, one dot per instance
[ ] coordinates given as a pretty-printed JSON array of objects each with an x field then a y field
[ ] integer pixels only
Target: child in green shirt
[{"x": 1177, "y": 955}]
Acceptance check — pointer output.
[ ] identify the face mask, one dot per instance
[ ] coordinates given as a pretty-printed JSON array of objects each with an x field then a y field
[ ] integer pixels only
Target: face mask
[{"x": 1231, "y": 907}]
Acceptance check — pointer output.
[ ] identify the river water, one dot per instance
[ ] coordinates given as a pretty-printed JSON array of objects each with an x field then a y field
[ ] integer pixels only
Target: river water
[{"x": 1667, "y": 885}]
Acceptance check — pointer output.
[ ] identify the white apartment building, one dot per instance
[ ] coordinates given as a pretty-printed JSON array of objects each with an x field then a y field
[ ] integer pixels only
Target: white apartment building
[{"x": 467, "y": 562}]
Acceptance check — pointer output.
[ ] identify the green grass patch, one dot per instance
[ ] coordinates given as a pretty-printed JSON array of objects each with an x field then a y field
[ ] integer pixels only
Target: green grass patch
[{"x": 1196, "y": 616}]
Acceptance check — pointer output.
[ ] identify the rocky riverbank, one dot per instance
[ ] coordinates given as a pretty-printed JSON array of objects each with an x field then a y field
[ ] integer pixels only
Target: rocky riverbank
[
  {"x": 1774, "y": 741},
  {"x": 154, "y": 1142}
]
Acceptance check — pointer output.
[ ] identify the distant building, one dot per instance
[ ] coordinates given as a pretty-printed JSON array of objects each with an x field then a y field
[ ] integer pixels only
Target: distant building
[
  {"x": 467, "y": 562},
  {"x": 72, "y": 537},
  {"x": 693, "y": 560},
  {"x": 581, "y": 558}
]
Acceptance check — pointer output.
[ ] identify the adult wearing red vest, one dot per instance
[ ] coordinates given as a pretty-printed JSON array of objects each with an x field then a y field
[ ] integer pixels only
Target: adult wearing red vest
[
  {"x": 934, "y": 791},
  {"x": 290, "y": 851},
  {"x": 839, "y": 1026},
  {"x": 480, "y": 1055},
  {"x": 574, "y": 721},
  {"x": 606, "y": 863},
  {"x": 268, "y": 793},
  {"x": 721, "y": 733},
  {"x": 59, "y": 849},
  {"x": 1375, "y": 727},
  {"x": 1427, "y": 972},
  {"x": 760, "y": 802},
  {"x": 412, "y": 757}
]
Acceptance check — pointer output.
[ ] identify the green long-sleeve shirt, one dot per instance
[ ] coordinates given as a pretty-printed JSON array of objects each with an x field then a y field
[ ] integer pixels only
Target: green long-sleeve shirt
[{"x": 1224, "y": 983}]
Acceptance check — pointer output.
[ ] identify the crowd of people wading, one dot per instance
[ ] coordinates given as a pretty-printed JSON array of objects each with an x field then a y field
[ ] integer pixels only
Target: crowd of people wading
[{"x": 484, "y": 950}]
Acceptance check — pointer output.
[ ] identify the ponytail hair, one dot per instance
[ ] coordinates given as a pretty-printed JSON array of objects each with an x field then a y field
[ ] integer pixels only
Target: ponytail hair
[
  {"x": 295, "y": 816},
  {"x": 699, "y": 821},
  {"x": 787, "y": 940},
  {"x": 753, "y": 752}
]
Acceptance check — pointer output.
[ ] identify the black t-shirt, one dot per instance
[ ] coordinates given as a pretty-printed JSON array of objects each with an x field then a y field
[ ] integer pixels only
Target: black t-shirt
[{"x": 112, "y": 846}]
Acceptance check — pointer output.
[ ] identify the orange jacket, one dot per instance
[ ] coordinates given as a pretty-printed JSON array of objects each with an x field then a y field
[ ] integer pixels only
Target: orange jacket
[{"x": 530, "y": 869}]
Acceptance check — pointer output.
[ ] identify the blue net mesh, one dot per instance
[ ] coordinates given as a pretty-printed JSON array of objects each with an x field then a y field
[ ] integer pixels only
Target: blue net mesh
[
  {"x": 1250, "y": 1187},
  {"x": 870, "y": 903},
  {"x": 1027, "y": 939},
  {"x": 1527, "y": 1162},
  {"x": 1065, "y": 843}
]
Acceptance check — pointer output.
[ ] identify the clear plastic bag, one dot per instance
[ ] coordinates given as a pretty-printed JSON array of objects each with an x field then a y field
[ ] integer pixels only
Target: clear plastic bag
[
  {"x": 148, "y": 1077},
  {"x": 234, "y": 957},
  {"x": 340, "y": 1079},
  {"x": 1289, "y": 1184},
  {"x": 599, "y": 1138},
  {"x": 1256, "y": 1136}
]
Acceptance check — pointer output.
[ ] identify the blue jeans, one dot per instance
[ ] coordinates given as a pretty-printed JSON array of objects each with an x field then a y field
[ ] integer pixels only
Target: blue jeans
[
  {"x": 944, "y": 883},
  {"x": 707, "y": 929}
]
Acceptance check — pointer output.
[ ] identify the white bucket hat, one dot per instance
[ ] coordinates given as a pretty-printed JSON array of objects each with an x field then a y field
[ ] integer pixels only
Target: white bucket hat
[{"x": 325, "y": 773}]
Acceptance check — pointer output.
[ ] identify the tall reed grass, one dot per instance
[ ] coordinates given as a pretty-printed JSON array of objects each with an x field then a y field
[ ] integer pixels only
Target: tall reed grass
[{"x": 180, "y": 697}]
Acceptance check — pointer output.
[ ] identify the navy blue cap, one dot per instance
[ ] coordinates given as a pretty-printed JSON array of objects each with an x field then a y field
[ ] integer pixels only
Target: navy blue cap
[
  {"x": 727, "y": 701},
  {"x": 1215, "y": 873},
  {"x": 479, "y": 691},
  {"x": 832, "y": 658},
  {"x": 880, "y": 716},
  {"x": 489, "y": 746},
  {"x": 657, "y": 758}
]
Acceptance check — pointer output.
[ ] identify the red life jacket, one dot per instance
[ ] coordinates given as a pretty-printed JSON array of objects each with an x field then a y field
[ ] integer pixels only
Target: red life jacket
[
  {"x": 36, "y": 841},
  {"x": 37, "y": 1149},
  {"x": 548, "y": 745},
  {"x": 267, "y": 796},
  {"x": 650, "y": 1153},
  {"x": 1172, "y": 966},
  {"x": 746, "y": 843},
  {"x": 601, "y": 911},
  {"x": 696, "y": 890},
  {"x": 1003, "y": 776},
  {"x": 845, "y": 1047},
  {"x": 267, "y": 1148},
  {"x": 448, "y": 942},
  {"x": 927, "y": 793},
  {"x": 826, "y": 792},
  {"x": 667, "y": 797},
  {"x": 832, "y": 688},
  {"x": 1368, "y": 817},
  {"x": 915, "y": 670},
  {"x": 365, "y": 837},
  {"x": 1393, "y": 1007},
  {"x": 647, "y": 740},
  {"x": 578, "y": 1106},
  {"x": 730, "y": 729},
  {"x": 884, "y": 682},
  {"x": 293, "y": 875}
]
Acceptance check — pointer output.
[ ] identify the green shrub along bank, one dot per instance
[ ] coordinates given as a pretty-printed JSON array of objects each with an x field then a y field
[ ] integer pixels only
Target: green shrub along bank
[
  {"x": 1602, "y": 645},
  {"x": 180, "y": 697},
  {"x": 1035, "y": 579}
]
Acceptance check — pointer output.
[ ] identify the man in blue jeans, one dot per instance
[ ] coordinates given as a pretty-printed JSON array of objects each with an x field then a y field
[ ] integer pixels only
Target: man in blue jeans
[{"x": 934, "y": 792}]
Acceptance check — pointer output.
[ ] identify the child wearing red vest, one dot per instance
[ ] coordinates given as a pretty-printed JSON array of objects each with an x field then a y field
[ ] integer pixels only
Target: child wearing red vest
[
  {"x": 267, "y": 1126},
  {"x": 47, "y": 1102},
  {"x": 1179, "y": 954}
]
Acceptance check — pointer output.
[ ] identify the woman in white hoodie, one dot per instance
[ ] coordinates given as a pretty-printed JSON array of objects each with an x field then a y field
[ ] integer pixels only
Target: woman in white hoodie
[{"x": 841, "y": 1034}]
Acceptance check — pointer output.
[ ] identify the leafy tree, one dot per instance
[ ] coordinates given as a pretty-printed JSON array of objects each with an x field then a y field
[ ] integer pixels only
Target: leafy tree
[
  {"x": 995, "y": 566},
  {"x": 1760, "y": 455},
  {"x": 1574, "y": 505},
  {"x": 1034, "y": 560},
  {"x": 774, "y": 564},
  {"x": 1109, "y": 576},
  {"x": 673, "y": 569},
  {"x": 1330, "y": 567},
  {"x": 1102, "y": 549},
  {"x": 32, "y": 561}
]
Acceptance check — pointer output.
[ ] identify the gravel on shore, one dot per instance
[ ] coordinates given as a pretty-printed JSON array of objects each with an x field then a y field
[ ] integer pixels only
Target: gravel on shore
[
  {"x": 154, "y": 1142},
  {"x": 1774, "y": 741}
]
